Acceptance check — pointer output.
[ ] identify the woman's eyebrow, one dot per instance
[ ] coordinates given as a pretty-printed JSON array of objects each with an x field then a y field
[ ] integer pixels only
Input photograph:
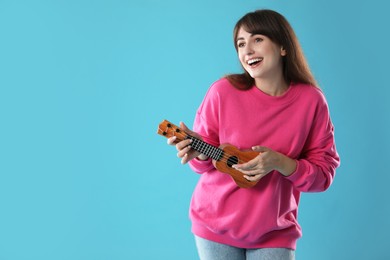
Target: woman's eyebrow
[{"x": 252, "y": 35}]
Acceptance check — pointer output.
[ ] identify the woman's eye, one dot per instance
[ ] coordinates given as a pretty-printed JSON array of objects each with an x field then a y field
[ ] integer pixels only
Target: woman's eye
[
  {"x": 258, "y": 40},
  {"x": 240, "y": 44}
]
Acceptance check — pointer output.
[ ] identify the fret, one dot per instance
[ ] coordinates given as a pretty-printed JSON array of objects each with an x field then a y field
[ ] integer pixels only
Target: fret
[
  {"x": 209, "y": 150},
  {"x": 199, "y": 143},
  {"x": 220, "y": 153},
  {"x": 214, "y": 152},
  {"x": 205, "y": 148}
]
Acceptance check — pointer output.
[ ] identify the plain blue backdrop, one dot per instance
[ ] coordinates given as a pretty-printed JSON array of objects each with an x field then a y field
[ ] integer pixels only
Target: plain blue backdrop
[{"x": 84, "y": 85}]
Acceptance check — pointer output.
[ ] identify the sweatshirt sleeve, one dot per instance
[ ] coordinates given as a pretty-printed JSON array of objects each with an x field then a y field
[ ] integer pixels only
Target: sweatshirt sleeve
[
  {"x": 319, "y": 159},
  {"x": 206, "y": 124}
]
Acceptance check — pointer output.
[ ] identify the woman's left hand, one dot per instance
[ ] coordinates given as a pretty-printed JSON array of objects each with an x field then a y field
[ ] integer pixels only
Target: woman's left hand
[{"x": 267, "y": 161}]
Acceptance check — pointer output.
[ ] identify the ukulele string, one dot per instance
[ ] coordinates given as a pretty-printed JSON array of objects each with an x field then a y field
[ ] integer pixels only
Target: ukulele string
[
  {"x": 182, "y": 136},
  {"x": 225, "y": 156}
]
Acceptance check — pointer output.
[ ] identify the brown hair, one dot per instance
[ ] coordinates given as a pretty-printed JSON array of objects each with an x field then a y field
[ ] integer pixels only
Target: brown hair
[{"x": 277, "y": 28}]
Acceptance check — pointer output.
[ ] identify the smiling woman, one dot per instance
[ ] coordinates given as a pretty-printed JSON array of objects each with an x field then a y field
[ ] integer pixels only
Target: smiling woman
[
  {"x": 278, "y": 87},
  {"x": 277, "y": 32},
  {"x": 262, "y": 59},
  {"x": 83, "y": 84}
]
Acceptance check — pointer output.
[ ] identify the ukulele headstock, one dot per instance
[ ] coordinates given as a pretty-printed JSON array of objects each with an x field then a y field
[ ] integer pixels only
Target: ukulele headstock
[{"x": 167, "y": 129}]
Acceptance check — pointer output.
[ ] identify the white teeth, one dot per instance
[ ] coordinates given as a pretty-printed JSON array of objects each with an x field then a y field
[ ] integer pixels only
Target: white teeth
[{"x": 251, "y": 61}]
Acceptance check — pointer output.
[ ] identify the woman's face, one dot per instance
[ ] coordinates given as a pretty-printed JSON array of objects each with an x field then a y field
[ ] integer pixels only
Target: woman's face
[{"x": 259, "y": 56}]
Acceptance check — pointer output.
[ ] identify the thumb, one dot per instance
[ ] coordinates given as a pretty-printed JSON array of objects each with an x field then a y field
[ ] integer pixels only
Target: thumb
[
  {"x": 260, "y": 149},
  {"x": 190, "y": 132},
  {"x": 185, "y": 128}
]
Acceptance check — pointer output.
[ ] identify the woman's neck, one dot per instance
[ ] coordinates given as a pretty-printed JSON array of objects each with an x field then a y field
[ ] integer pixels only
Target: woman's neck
[{"x": 274, "y": 87}]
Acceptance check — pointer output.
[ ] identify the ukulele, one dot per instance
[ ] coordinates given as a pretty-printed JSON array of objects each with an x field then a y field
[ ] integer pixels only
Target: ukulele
[{"x": 223, "y": 157}]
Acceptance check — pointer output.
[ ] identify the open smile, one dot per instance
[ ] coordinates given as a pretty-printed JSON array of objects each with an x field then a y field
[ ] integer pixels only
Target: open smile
[{"x": 254, "y": 62}]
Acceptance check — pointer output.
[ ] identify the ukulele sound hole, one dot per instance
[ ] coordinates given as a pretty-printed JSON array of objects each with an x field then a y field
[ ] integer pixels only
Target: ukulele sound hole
[{"x": 232, "y": 160}]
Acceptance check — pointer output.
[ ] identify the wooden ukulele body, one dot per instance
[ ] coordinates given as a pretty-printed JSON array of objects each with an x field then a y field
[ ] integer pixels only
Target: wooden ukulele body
[{"x": 235, "y": 156}]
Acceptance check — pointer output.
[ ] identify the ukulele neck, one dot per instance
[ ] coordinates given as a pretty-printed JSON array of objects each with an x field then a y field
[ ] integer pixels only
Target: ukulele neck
[
  {"x": 168, "y": 130},
  {"x": 205, "y": 148}
]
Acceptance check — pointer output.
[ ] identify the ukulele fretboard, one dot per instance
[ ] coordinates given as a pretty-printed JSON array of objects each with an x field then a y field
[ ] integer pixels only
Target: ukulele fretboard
[{"x": 205, "y": 148}]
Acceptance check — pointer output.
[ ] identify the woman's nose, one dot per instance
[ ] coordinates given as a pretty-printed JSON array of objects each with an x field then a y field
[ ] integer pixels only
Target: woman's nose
[{"x": 249, "y": 50}]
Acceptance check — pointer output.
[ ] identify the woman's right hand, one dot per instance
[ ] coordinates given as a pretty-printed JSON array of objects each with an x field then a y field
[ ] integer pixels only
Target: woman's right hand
[{"x": 184, "y": 150}]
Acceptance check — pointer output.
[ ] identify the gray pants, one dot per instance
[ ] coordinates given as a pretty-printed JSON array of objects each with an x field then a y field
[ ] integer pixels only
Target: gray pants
[{"x": 209, "y": 250}]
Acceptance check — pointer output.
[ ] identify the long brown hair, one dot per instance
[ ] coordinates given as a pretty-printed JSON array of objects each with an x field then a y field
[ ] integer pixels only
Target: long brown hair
[{"x": 276, "y": 27}]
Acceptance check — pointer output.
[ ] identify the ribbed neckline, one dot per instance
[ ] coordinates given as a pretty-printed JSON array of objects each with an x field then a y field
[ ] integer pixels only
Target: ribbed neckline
[{"x": 287, "y": 97}]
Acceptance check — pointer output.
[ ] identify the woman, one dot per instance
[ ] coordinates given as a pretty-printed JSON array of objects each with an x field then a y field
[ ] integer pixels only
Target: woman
[{"x": 275, "y": 108}]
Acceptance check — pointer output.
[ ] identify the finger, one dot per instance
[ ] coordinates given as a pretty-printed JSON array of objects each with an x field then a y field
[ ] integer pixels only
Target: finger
[
  {"x": 254, "y": 177},
  {"x": 184, "y": 160},
  {"x": 183, "y": 144},
  {"x": 260, "y": 149},
  {"x": 253, "y": 172},
  {"x": 183, "y": 152},
  {"x": 245, "y": 166},
  {"x": 171, "y": 140}
]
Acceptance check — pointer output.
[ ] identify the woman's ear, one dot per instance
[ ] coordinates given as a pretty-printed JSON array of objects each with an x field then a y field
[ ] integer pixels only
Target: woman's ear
[{"x": 283, "y": 51}]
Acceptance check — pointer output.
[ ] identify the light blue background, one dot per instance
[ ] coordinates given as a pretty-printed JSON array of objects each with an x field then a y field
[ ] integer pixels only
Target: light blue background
[{"x": 84, "y": 84}]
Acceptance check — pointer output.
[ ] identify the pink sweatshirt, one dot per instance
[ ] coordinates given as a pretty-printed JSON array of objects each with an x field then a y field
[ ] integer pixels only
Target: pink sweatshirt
[{"x": 296, "y": 124}]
